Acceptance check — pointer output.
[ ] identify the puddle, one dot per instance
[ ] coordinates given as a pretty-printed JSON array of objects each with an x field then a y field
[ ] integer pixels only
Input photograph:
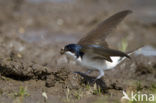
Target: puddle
[
  {"x": 43, "y": 37},
  {"x": 146, "y": 51}
]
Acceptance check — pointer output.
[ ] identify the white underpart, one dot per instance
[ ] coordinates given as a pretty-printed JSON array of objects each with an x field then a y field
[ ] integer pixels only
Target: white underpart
[
  {"x": 115, "y": 61},
  {"x": 95, "y": 64}
]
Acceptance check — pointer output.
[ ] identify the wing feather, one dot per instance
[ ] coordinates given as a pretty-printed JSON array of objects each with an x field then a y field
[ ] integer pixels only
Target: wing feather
[
  {"x": 98, "y": 34},
  {"x": 102, "y": 52}
]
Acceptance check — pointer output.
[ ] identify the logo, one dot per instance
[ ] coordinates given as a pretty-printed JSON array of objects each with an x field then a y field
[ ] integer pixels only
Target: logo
[{"x": 138, "y": 96}]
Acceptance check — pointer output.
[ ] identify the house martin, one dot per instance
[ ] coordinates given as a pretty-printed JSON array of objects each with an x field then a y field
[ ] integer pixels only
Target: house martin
[{"x": 93, "y": 52}]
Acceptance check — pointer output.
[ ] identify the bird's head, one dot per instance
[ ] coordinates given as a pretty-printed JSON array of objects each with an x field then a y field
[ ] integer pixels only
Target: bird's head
[{"x": 72, "y": 48}]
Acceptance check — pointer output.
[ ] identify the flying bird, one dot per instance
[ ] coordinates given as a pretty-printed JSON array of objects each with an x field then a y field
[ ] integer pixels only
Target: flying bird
[{"x": 93, "y": 52}]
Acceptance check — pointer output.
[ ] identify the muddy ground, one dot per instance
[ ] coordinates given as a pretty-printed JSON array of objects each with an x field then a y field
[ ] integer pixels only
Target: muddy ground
[{"x": 33, "y": 31}]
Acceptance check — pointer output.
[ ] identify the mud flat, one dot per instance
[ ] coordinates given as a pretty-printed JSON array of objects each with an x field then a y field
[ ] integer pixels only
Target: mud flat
[{"x": 32, "y": 33}]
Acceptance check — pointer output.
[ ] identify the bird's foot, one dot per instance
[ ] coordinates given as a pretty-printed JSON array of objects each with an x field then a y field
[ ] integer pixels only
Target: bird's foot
[{"x": 93, "y": 81}]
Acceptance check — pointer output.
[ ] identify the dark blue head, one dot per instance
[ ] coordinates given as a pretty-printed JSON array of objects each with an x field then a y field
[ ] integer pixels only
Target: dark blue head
[{"x": 74, "y": 48}]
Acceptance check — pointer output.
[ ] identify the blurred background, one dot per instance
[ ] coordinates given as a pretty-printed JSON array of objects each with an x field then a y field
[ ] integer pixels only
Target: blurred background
[{"x": 33, "y": 31}]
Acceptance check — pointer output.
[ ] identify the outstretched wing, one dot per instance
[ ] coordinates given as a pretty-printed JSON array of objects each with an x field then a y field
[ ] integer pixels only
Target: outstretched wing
[{"x": 98, "y": 34}]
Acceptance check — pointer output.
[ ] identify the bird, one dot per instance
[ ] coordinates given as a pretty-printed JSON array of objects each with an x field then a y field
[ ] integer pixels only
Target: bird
[{"x": 93, "y": 52}]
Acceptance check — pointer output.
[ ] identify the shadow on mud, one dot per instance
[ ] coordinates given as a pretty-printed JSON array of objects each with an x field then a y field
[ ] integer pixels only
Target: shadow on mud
[{"x": 90, "y": 80}]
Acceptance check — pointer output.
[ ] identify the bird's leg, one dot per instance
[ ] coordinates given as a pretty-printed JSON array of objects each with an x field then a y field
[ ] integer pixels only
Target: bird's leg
[
  {"x": 101, "y": 74},
  {"x": 88, "y": 72}
]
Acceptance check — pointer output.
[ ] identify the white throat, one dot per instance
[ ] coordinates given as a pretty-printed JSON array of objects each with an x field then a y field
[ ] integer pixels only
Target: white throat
[{"x": 72, "y": 56}]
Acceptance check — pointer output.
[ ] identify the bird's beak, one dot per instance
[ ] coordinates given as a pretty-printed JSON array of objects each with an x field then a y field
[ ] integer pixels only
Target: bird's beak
[{"x": 62, "y": 51}]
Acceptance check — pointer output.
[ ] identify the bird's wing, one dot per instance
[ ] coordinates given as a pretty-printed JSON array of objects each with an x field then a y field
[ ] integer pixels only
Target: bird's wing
[
  {"x": 98, "y": 34},
  {"x": 102, "y": 52}
]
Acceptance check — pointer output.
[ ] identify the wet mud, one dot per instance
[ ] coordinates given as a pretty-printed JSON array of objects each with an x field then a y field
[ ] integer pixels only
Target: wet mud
[{"x": 32, "y": 32}]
